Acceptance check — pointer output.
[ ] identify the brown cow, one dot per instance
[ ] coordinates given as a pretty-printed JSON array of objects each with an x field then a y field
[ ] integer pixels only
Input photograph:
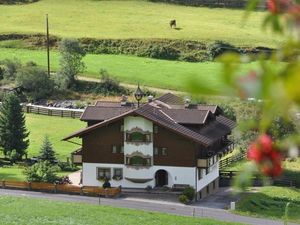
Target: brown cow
[{"x": 173, "y": 23}]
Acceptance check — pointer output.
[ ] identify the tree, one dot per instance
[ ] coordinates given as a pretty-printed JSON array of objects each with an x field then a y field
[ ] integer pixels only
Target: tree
[
  {"x": 13, "y": 133},
  {"x": 10, "y": 68},
  {"x": 46, "y": 152},
  {"x": 42, "y": 171},
  {"x": 70, "y": 62},
  {"x": 35, "y": 82}
]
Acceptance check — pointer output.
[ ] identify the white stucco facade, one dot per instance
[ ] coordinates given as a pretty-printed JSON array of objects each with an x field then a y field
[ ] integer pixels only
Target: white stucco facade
[{"x": 176, "y": 175}]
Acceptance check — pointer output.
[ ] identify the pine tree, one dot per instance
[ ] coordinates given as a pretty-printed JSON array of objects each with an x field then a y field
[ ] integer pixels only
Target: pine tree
[
  {"x": 13, "y": 132},
  {"x": 46, "y": 152}
]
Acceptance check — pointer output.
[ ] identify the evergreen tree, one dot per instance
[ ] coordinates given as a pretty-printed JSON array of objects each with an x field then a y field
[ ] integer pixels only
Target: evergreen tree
[
  {"x": 13, "y": 132},
  {"x": 46, "y": 152}
]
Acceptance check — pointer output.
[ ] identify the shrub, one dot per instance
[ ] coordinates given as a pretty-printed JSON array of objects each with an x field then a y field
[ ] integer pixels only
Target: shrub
[
  {"x": 109, "y": 85},
  {"x": 35, "y": 83},
  {"x": 183, "y": 199},
  {"x": 10, "y": 68},
  {"x": 219, "y": 47},
  {"x": 14, "y": 156},
  {"x": 42, "y": 171},
  {"x": 161, "y": 52},
  {"x": 67, "y": 166},
  {"x": 229, "y": 112},
  {"x": 189, "y": 192}
]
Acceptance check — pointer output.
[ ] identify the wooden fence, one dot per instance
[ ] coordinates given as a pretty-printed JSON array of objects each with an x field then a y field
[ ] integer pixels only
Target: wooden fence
[
  {"x": 53, "y": 111},
  {"x": 228, "y": 161},
  {"x": 62, "y": 188},
  {"x": 226, "y": 178}
]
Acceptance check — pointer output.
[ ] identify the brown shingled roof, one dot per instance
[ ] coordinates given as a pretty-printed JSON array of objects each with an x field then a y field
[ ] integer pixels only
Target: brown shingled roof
[
  {"x": 169, "y": 98},
  {"x": 102, "y": 113},
  {"x": 187, "y": 116},
  {"x": 171, "y": 117}
]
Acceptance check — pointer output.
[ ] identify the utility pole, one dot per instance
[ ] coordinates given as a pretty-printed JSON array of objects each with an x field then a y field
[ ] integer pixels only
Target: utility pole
[{"x": 48, "y": 48}]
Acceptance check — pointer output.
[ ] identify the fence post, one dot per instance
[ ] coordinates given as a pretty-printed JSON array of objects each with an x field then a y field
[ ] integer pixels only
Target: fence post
[
  {"x": 3, "y": 183},
  {"x": 81, "y": 190},
  {"x": 29, "y": 186},
  {"x": 55, "y": 188}
]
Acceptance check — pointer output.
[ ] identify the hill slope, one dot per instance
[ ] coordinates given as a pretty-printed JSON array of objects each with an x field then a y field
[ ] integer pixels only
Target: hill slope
[{"x": 135, "y": 19}]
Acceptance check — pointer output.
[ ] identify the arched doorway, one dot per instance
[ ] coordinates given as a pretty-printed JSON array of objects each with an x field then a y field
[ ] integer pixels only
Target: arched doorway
[{"x": 161, "y": 178}]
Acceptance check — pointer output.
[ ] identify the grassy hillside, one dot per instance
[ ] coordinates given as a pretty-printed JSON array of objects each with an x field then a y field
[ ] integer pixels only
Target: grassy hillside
[
  {"x": 135, "y": 19},
  {"x": 130, "y": 69},
  {"x": 38, "y": 211},
  {"x": 271, "y": 202},
  {"x": 56, "y": 128}
]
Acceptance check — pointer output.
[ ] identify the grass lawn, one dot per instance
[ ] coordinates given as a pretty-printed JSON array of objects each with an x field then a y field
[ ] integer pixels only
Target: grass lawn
[
  {"x": 15, "y": 173},
  {"x": 38, "y": 211},
  {"x": 56, "y": 128},
  {"x": 135, "y": 19},
  {"x": 270, "y": 202},
  {"x": 130, "y": 69}
]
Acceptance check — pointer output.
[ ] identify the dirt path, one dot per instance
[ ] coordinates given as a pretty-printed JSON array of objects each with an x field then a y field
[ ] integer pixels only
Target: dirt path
[{"x": 132, "y": 86}]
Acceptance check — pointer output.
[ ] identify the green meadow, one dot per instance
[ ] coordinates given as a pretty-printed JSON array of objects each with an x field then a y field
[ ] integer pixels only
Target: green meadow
[
  {"x": 135, "y": 19},
  {"x": 131, "y": 69},
  {"x": 56, "y": 128},
  {"x": 41, "y": 211}
]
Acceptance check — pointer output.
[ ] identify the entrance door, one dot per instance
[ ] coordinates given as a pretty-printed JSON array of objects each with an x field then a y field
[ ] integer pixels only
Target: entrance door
[{"x": 161, "y": 178}]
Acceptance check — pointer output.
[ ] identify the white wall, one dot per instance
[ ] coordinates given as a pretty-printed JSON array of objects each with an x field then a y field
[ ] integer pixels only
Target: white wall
[
  {"x": 131, "y": 122},
  {"x": 176, "y": 175},
  {"x": 210, "y": 177}
]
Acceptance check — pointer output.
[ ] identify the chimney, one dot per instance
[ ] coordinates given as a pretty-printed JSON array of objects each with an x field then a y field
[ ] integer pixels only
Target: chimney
[
  {"x": 150, "y": 98},
  {"x": 187, "y": 102},
  {"x": 124, "y": 100}
]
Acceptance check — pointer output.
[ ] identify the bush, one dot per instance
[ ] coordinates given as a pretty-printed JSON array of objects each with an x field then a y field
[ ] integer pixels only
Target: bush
[
  {"x": 14, "y": 156},
  {"x": 35, "y": 83},
  {"x": 189, "y": 192},
  {"x": 183, "y": 199},
  {"x": 161, "y": 52},
  {"x": 42, "y": 171},
  {"x": 210, "y": 3},
  {"x": 219, "y": 47},
  {"x": 10, "y": 68},
  {"x": 66, "y": 166}
]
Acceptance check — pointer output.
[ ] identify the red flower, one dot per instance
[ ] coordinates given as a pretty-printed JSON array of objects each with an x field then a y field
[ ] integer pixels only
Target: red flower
[
  {"x": 263, "y": 152},
  {"x": 278, "y": 6}
]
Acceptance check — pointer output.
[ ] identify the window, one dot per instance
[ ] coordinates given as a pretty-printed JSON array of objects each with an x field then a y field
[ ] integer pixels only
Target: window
[
  {"x": 164, "y": 151},
  {"x": 114, "y": 149},
  {"x": 117, "y": 149},
  {"x": 155, "y": 151},
  {"x": 118, "y": 174},
  {"x": 160, "y": 151},
  {"x": 138, "y": 137},
  {"x": 138, "y": 161},
  {"x": 155, "y": 129},
  {"x": 104, "y": 173}
]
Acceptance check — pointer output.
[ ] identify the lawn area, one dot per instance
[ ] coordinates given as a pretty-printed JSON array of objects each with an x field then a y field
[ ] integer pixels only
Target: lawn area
[
  {"x": 15, "y": 173},
  {"x": 38, "y": 211},
  {"x": 130, "y": 69},
  {"x": 56, "y": 128},
  {"x": 129, "y": 19},
  {"x": 270, "y": 202}
]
